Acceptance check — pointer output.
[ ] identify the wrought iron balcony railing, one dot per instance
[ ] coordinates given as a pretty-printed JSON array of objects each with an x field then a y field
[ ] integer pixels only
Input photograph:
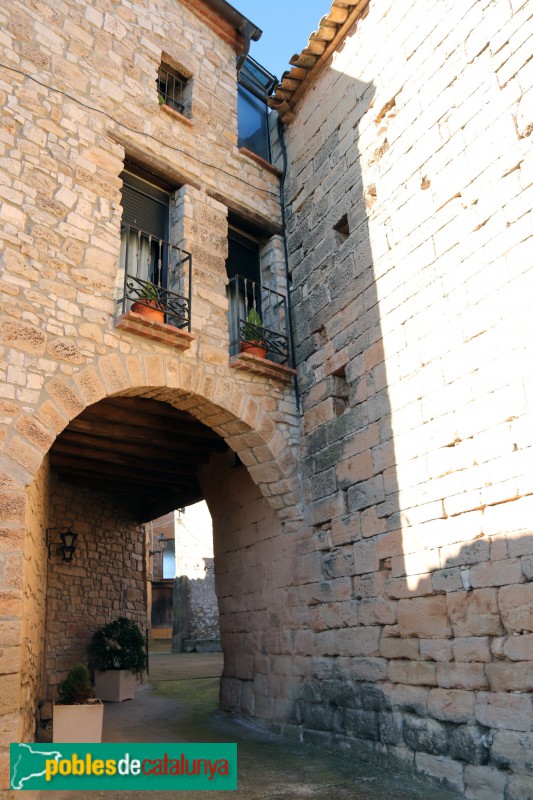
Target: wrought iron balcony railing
[
  {"x": 258, "y": 316},
  {"x": 156, "y": 275}
]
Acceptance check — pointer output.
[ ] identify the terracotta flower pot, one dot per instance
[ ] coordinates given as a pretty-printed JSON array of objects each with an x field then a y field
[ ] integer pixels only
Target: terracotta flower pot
[
  {"x": 254, "y": 349},
  {"x": 149, "y": 310}
]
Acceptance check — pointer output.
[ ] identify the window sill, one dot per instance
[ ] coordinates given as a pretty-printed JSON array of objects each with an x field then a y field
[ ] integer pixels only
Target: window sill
[
  {"x": 266, "y": 164},
  {"x": 130, "y": 322},
  {"x": 176, "y": 115},
  {"x": 262, "y": 366}
]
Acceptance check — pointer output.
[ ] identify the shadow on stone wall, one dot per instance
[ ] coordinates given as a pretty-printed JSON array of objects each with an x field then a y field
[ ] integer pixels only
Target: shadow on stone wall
[
  {"x": 445, "y": 690},
  {"x": 407, "y": 642}
]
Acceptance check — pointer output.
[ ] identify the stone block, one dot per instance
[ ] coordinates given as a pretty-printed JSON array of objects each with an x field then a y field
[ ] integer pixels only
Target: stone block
[
  {"x": 505, "y": 711},
  {"x": 391, "y": 727},
  {"x": 413, "y": 699},
  {"x": 65, "y": 397},
  {"x": 34, "y": 432},
  {"x": 484, "y": 783},
  {"x": 317, "y": 716},
  {"x": 512, "y": 750},
  {"x": 521, "y": 544},
  {"x": 436, "y": 650},
  {"x": 366, "y": 493},
  {"x": 519, "y": 787},
  {"x": 511, "y": 677},
  {"x": 365, "y": 557},
  {"x": 327, "y": 509},
  {"x": 451, "y": 705},
  {"x": 357, "y": 468},
  {"x": 519, "y": 648},
  {"x": 462, "y": 676},
  {"x": 472, "y": 648},
  {"x": 426, "y": 735},
  {"x": 22, "y": 336},
  {"x": 426, "y": 617},
  {"x": 368, "y": 669},
  {"x": 469, "y": 743},
  {"x": 9, "y": 693},
  {"x": 527, "y": 567},
  {"x": 498, "y": 573},
  {"x": 12, "y": 507},
  {"x": 362, "y": 724},
  {"x": 361, "y": 641},
  {"x": 516, "y": 606},
  {"x": 89, "y": 385},
  {"x": 378, "y": 611},
  {"x": 474, "y": 613},
  {"x": 408, "y": 649},
  {"x": 338, "y": 563},
  {"x": 443, "y": 770},
  {"x": 415, "y": 673}
]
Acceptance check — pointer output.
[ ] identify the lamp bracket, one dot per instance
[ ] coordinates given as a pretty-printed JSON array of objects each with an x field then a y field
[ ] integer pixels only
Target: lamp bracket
[{"x": 61, "y": 541}]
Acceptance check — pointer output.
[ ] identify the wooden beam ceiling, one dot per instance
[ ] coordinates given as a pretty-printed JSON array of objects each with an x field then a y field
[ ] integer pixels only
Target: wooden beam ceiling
[{"x": 142, "y": 452}]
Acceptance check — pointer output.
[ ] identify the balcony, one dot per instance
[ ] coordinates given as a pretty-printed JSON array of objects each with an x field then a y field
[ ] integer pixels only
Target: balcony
[
  {"x": 259, "y": 329},
  {"x": 154, "y": 288}
]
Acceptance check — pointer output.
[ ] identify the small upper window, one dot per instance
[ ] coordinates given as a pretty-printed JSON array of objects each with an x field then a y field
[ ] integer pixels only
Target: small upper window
[
  {"x": 174, "y": 89},
  {"x": 255, "y": 84}
]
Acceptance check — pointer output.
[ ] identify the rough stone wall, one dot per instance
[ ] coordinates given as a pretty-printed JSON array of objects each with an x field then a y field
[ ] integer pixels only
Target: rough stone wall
[
  {"x": 78, "y": 95},
  {"x": 408, "y": 203},
  {"x": 252, "y": 572},
  {"x": 203, "y": 604},
  {"x": 194, "y": 560},
  {"x": 105, "y": 580},
  {"x": 34, "y": 586}
]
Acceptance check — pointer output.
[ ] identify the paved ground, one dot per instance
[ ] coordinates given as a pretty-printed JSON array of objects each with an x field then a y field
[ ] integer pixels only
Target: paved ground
[{"x": 178, "y": 705}]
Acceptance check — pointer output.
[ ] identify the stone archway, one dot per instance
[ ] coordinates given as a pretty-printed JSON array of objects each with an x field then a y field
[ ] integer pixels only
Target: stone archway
[{"x": 252, "y": 427}]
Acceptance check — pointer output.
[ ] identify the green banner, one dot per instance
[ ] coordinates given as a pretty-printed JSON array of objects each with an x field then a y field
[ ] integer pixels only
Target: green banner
[{"x": 156, "y": 767}]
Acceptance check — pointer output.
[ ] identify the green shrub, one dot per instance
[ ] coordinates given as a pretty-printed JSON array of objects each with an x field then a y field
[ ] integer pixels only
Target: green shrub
[
  {"x": 75, "y": 689},
  {"x": 118, "y": 645}
]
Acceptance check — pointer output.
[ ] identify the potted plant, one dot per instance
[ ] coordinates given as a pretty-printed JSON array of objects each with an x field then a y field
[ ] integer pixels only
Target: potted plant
[
  {"x": 149, "y": 305},
  {"x": 118, "y": 657},
  {"x": 253, "y": 335},
  {"x": 77, "y": 715}
]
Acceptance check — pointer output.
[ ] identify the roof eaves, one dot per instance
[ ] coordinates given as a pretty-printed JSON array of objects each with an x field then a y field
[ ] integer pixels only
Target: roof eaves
[
  {"x": 307, "y": 65},
  {"x": 235, "y": 18}
]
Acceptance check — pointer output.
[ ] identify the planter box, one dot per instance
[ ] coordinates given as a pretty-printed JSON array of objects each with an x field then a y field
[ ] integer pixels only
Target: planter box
[
  {"x": 80, "y": 723},
  {"x": 114, "y": 685}
]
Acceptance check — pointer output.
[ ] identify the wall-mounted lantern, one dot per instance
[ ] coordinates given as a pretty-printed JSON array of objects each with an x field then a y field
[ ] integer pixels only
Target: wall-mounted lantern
[
  {"x": 63, "y": 540},
  {"x": 162, "y": 541}
]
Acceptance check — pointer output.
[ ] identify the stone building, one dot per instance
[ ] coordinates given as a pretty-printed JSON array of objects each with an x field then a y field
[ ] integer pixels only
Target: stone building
[
  {"x": 182, "y": 599},
  {"x": 372, "y": 522}
]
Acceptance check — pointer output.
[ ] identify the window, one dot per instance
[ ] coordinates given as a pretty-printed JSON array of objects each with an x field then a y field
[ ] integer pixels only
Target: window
[
  {"x": 154, "y": 275},
  {"x": 169, "y": 561},
  {"x": 243, "y": 254},
  {"x": 174, "y": 89},
  {"x": 255, "y": 84},
  {"x": 145, "y": 220},
  {"x": 243, "y": 270}
]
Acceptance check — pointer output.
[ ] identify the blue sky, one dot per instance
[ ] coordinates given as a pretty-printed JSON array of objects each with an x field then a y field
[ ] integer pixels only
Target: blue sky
[{"x": 286, "y": 25}]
